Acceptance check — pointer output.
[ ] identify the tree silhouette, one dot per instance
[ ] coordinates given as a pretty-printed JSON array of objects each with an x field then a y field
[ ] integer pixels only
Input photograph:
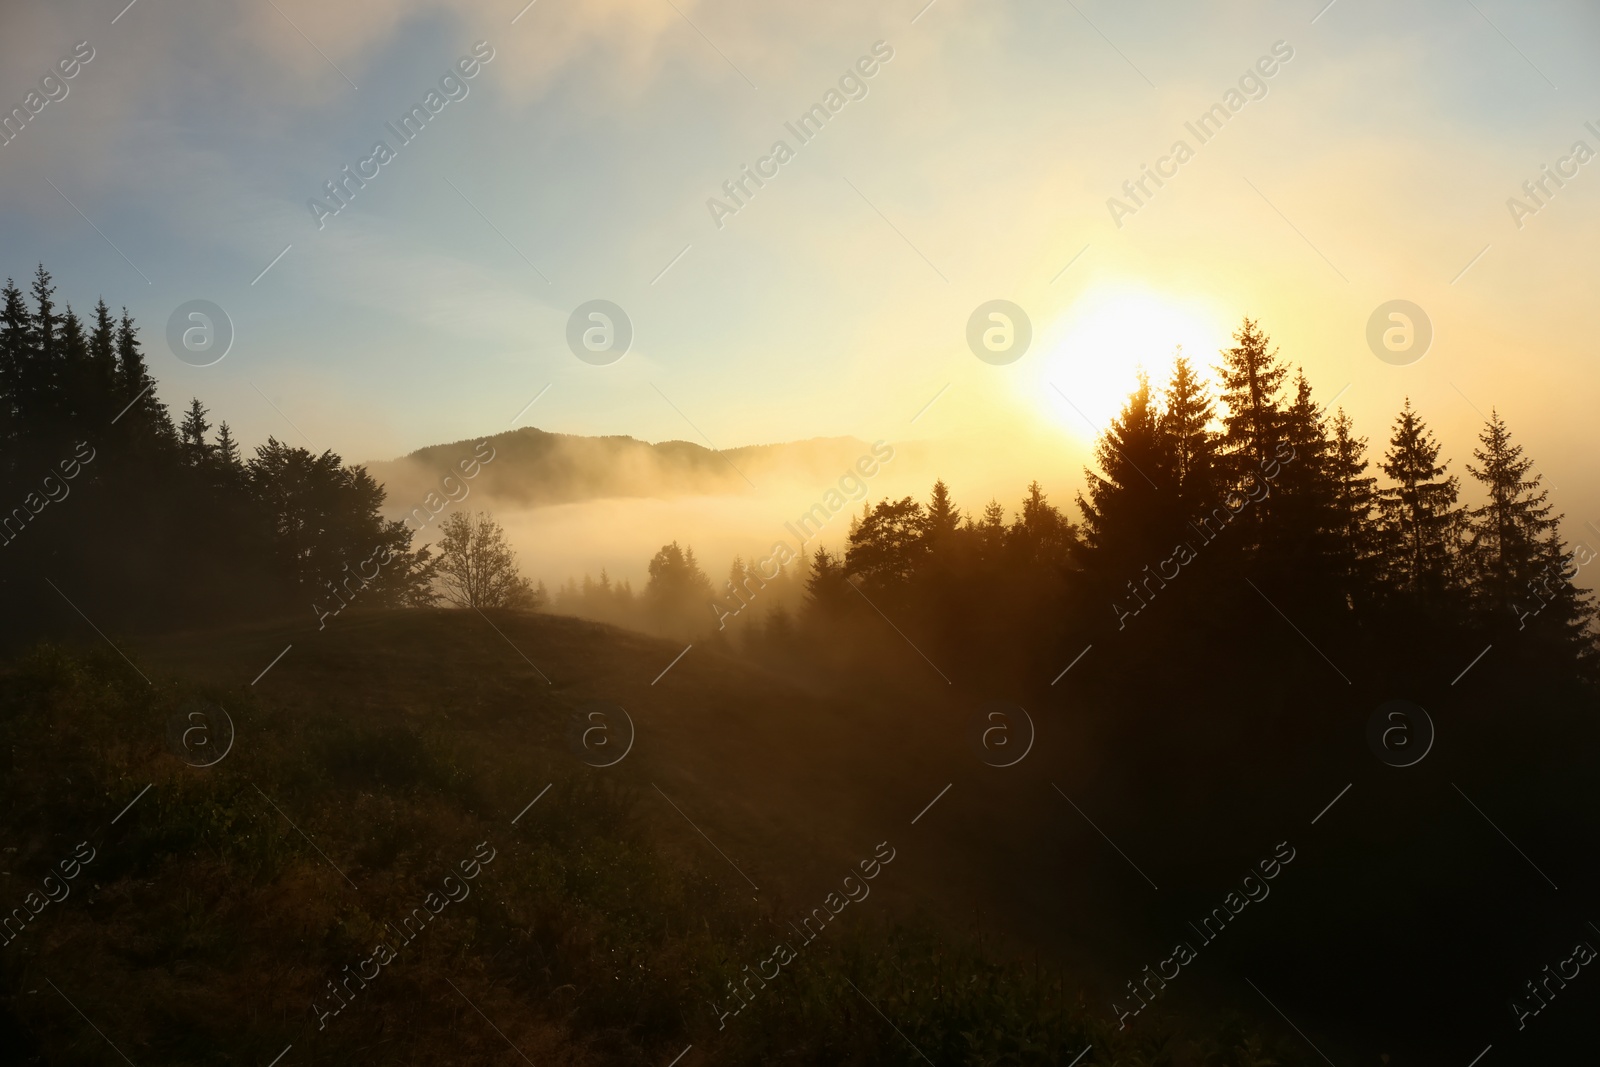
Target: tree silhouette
[
  {"x": 192, "y": 433},
  {"x": 887, "y": 545},
  {"x": 1191, "y": 447},
  {"x": 1355, "y": 497},
  {"x": 1421, "y": 524},
  {"x": 1124, "y": 511},
  {"x": 678, "y": 596},
  {"x": 1252, "y": 392},
  {"x": 943, "y": 518},
  {"x": 476, "y": 567},
  {"x": 1520, "y": 568}
]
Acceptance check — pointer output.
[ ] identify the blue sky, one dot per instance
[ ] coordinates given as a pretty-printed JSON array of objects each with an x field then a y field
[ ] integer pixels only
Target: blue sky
[{"x": 979, "y": 163}]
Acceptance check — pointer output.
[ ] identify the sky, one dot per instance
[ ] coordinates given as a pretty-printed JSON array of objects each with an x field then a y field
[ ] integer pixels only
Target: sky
[{"x": 978, "y": 162}]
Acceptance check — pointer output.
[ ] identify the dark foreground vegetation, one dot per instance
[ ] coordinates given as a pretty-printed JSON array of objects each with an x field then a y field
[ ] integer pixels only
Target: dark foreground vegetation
[{"x": 214, "y": 922}]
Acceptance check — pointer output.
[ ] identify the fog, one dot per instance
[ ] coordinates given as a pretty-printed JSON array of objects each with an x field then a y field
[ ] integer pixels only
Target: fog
[{"x": 579, "y": 505}]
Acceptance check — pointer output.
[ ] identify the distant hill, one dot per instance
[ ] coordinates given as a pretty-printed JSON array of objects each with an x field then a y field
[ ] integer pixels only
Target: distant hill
[{"x": 534, "y": 468}]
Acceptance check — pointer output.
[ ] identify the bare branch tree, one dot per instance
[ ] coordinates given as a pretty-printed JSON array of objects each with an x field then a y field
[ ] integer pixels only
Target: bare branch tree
[{"x": 477, "y": 568}]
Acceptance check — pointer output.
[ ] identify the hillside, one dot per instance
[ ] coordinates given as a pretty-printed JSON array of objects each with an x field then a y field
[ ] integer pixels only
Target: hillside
[{"x": 374, "y": 758}]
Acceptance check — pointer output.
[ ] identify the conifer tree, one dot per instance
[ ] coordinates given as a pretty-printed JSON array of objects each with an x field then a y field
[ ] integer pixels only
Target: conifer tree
[
  {"x": 46, "y": 323},
  {"x": 826, "y": 596},
  {"x": 1560, "y": 615},
  {"x": 102, "y": 370},
  {"x": 16, "y": 347},
  {"x": 1515, "y": 555},
  {"x": 1043, "y": 536},
  {"x": 226, "y": 450},
  {"x": 1124, "y": 510},
  {"x": 1420, "y": 519},
  {"x": 990, "y": 532},
  {"x": 41, "y": 388},
  {"x": 1304, "y": 491},
  {"x": 145, "y": 416},
  {"x": 1355, "y": 497},
  {"x": 192, "y": 432},
  {"x": 1190, "y": 444},
  {"x": 76, "y": 403},
  {"x": 1252, "y": 394},
  {"x": 943, "y": 517}
]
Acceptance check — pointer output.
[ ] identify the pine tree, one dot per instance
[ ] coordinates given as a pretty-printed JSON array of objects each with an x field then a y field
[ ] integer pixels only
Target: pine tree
[
  {"x": 1124, "y": 510},
  {"x": 1420, "y": 518},
  {"x": 1509, "y": 535},
  {"x": 76, "y": 405},
  {"x": 990, "y": 533},
  {"x": 16, "y": 348},
  {"x": 1560, "y": 615},
  {"x": 1043, "y": 536},
  {"x": 1189, "y": 444},
  {"x": 1303, "y": 537},
  {"x": 41, "y": 388},
  {"x": 192, "y": 432},
  {"x": 143, "y": 416},
  {"x": 741, "y": 587},
  {"x": 103, "y": 368},
  {"x": 1252, "y": 387},
  {"x": 943, "y": 517},
  {"x": 1355, "y": 497},
  {"x": 826, "y": 598},
  {"x": 226, "y": 450}
]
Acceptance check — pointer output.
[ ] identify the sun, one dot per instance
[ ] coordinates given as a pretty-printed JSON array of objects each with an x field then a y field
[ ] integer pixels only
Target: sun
[{"x": 1093, "y": 351}]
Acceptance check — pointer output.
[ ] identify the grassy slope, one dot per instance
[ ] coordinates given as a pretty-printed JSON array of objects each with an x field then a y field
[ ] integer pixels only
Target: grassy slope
[{"x": 398, "y": 742}]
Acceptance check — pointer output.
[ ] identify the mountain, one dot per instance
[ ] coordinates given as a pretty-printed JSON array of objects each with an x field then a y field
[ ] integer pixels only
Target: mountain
[{"x": 534, "y": 468}]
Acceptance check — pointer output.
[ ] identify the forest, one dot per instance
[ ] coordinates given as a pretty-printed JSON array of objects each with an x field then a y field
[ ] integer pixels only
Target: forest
[{"x": 168, "y": 525}]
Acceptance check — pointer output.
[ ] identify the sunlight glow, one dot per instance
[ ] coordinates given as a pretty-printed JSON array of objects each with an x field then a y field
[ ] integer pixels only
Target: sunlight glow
[{"x": 1093, "y": 351}]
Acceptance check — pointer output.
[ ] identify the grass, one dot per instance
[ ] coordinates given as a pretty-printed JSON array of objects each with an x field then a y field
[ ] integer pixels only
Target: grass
[{"x": 224, "y": 902}]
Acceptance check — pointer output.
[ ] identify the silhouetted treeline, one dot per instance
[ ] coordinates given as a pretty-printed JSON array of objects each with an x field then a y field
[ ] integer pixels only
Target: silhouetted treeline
[
  {"x": 1204, "y": 519},
  {"x": 137, "y": 520},
  {"x": 1206, "y": 515}
]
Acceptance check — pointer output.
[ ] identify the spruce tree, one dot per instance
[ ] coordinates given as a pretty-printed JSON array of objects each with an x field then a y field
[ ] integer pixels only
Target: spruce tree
[
  {"x": 75, "y": 402},
  {"x": 192, "y": 432},
  {"x": 142, "y": 415},
  {"x": 226, "y": 450},
  {"x": 1421, "y": 523},
  {"x": 1305, "y": 491},
  {"x": 102, "y": 372},
  {"x": 41, "y": 388},
  {"x": 16, "y": 348},
  {"x": 826, "y": 599},
  {"x": 943, "y": 518},
  {"x": 1515, "y": 555},
  {"x": 990, "y": 533},
  {"x": 1252, "y": 394},
  {"x": 1044, "y": 537},
  {"x": 1355, "y": 497},
  {"x": 1190, "y": 444},
  {"x": 1123, "y": 513}
]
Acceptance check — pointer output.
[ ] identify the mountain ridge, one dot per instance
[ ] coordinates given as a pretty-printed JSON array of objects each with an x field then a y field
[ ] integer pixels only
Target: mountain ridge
[{"x": 537, "y": 468}]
